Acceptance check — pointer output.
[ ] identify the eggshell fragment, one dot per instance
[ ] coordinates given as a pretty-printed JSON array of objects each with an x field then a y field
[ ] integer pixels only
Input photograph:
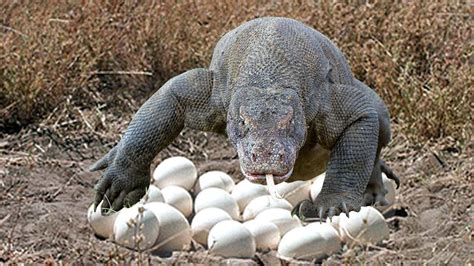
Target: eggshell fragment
[
  {"x": 245, "y": 191},
  {"x": 204, "y": 220},
  {"x": 179, "y": 198},
  {"x": 231, "y": 239},
  {"x": 317, "y": 186},
  {"x": 390, "y": 186},
  {"x": 153, "y": 194},
  {"x": 101, "y": 224},
  {"x": 136, "y": 228},
  {"x": 266, "y": 234},
  {"x": 309, "y": 242},
  {"x": 281, "y": 218},
  {"x": 262, "y": 203},
  {"x": 367, "y": 226},
  {"x": 294, "y": 192},
  {"x": 175, "y": 232},
  {"x": 218, "y": 198},
  {"x": 175, "y": 171},
  {"x": 216, "y": 179}
]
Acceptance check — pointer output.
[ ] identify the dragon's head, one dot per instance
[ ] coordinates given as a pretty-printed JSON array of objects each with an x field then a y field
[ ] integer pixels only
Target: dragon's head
[{"x": 267, "y": 127}]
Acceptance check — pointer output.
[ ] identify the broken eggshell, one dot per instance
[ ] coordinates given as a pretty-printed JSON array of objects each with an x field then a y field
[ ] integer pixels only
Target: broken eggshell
[
  {"x": 368, "y": 226},
  {"x": 101, "y": 224}
]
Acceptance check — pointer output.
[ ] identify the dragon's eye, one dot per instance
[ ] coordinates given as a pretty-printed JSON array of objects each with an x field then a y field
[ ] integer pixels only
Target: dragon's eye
[
  {"x": 243, "y": 128},
  {"x": 243, "y": 123}
]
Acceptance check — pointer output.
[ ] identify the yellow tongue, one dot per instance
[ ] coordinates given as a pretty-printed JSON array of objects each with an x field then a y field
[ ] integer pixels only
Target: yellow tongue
[{"x": 271, "y": 187}]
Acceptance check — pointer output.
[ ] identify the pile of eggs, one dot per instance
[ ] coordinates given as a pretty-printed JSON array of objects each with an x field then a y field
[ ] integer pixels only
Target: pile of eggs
[{"x": 234, "y": 220}]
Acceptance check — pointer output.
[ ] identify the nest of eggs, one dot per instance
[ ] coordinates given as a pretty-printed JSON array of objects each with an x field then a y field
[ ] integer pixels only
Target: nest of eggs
[{"x": 234, "y": 220}]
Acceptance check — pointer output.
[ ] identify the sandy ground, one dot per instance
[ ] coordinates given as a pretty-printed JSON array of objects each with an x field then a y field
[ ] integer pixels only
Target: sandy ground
[{"x": 45, "y": 191}]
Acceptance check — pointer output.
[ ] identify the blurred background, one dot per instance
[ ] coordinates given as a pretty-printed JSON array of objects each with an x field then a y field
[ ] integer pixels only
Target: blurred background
[{"x": 73, "y": 73}]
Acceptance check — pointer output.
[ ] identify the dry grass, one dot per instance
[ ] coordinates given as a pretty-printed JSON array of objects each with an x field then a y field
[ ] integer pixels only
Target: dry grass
[{"x": 59, "y": 60}]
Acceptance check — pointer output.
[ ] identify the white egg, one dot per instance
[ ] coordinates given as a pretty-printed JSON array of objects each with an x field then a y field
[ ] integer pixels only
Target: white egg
[
  {"x": 317, "y": 186},
  {"x": 266, "y": 234},
  {"x": 102, "y": 225},
  {"x": 179, "y": 198},
  {"x": 245, "y": 191},
  {"x": 231, "y": 239},
  {"x": 294, "y": 192},
  {"x": 175, "y": 232},
  {"x": 136, "y": 228},
  {"x": 204, "y": 220},
  {"x": 262, "y": 203},
  {"x": 335, "y": 222},
  {"x": 309, "y": 242},
  {"x": 281, "y": 218},
  {"x": 216, "y": 179},
  {"x": 153, "y": 194},
  {"x": 175, "y": 171},
  {"x": 331, "y": 234},
  {"x": 390, "y": 186},
  {"x": 218, "y": 198},
  {"x": 367, "y": 226}
]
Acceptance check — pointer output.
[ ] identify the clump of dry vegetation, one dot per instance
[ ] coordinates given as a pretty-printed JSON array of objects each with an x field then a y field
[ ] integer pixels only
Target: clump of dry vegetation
[{"x": 60, "y": 60}]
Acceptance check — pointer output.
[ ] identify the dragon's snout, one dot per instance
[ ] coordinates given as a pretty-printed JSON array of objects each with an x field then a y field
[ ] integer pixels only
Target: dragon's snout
[
  {"x": 267, "y": 157},
  {"x": 269, "y": 152}
]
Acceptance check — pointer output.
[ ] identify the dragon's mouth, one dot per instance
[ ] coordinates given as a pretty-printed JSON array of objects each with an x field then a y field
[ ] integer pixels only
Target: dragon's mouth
[{"x": 259, "y": 178}]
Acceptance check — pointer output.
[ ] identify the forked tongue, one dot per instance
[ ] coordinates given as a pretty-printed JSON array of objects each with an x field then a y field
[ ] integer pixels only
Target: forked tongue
[{"x": 271, "y": 187}]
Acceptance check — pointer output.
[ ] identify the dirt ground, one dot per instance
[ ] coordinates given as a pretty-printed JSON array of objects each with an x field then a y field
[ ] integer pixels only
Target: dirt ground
[{"x": 45, "y": 190}]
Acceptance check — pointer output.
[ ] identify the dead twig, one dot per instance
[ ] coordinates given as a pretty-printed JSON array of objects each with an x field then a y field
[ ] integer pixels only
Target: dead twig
[
  {"x": 15, "y": 31},
  {"x": 5, "y": 219}
]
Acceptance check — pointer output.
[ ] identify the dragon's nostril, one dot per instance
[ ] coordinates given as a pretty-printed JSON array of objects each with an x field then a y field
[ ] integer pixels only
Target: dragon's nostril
[
  {"x": 254, "y": 157},
  {"x": 281, "y": 155}
]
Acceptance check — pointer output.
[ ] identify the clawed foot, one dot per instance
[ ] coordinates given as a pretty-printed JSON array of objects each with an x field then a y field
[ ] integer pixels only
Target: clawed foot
[
  {"x": 327, "y": 206},
  {"x": 375, "y": 192},
  {"x": 119, "y": 186},
  {"x": 375, "y": 195}
]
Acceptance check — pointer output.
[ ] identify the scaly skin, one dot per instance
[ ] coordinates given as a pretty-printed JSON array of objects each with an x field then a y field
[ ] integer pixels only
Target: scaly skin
[{"x": 284, "y": 95}]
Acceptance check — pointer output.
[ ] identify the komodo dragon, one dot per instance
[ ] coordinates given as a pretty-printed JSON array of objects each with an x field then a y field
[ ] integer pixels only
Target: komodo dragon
[{"x": 286, "y": 98}]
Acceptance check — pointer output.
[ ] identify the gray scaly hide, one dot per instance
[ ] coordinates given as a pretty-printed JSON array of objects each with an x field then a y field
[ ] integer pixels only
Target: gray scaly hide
[{"x": 286, "y": 98}]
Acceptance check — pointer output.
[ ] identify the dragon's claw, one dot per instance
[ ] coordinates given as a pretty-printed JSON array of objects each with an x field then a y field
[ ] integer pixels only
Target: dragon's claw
[{"x": 326, "y": 206}]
